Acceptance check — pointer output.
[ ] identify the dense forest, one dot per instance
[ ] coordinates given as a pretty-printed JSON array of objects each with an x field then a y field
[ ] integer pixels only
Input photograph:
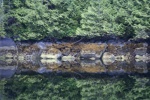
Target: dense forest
[
  {"x": 21, "y": 87},
  {"x": 39, "y": 19}
]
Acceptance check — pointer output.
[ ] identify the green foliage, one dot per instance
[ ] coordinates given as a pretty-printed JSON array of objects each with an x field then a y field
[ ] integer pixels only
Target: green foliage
[
  {"x": 2, "y": 29},
  {"x": 140, "y": 90},
  {"x": 38, "y": 87},
  {"x": 41, "y": 88},
  {"x": 92, "y": 23},
  {"x": 30, "y": 19},
  {"x": 2, "y": 92},
  {"x": 27, "y": 19},
  {"x": 124, "y": 18},
  {"x": 38, "y": 19}
]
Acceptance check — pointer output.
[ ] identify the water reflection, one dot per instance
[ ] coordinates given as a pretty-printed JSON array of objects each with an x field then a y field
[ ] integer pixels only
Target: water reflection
[
  {"x": 53, "y": 79},
  {"x": 9, "y": 67},
  {"x": 52, "y": 87}
]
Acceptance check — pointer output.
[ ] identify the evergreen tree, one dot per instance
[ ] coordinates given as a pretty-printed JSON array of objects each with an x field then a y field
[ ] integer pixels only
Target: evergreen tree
[
  {"x": 92, "y": 20},
  {"x": 27, "y": 19},
  {"x": 32, "y": 19},
  {"x": 47, "y": 87},
  {"x": 122, "y": 18},
  {"x": 2, "y": 30}
]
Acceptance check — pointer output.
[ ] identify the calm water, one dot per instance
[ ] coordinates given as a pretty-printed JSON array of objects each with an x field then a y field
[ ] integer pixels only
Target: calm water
[{"x": 84, "y": 80}]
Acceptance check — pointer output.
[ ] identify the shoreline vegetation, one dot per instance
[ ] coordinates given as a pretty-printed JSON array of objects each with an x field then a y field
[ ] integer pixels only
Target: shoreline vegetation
[{"x": 76, "y": 20}]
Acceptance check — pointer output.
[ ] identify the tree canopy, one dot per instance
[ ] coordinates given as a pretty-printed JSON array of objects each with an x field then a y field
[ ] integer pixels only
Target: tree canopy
[
  {"x": 38, "y": 19},
  {"x": 2, "y": 29}
]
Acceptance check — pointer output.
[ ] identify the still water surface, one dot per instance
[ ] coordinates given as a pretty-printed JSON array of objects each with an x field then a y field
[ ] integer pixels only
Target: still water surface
[{"x": 79, "y": 82}]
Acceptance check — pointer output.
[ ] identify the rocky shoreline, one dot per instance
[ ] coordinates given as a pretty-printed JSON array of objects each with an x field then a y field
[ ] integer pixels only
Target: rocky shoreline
[
  {"x": 107, "y": 52},
  {"x": 113, "y": 57}
]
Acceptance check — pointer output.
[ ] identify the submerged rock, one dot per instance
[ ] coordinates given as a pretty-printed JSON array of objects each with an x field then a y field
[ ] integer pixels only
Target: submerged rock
[
  {"x": 140, "y": 51},
  {"x": 8, "y": 49}
]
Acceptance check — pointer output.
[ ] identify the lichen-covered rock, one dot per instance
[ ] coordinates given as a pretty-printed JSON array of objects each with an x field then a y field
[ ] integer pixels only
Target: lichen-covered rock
[
  {"x": 140, "y": 51},
  {"x": 28, "y": 49},
  {"x": 41, "y": 45},
  {"x": 108, "y": 58},
  {"x": 51, "y": 53},
  {"x": 134, "y": 48},
  {"x": 127, "y": 51},
  {"x": 115, "y": 49},
  {"x": 92, "y": 50}
]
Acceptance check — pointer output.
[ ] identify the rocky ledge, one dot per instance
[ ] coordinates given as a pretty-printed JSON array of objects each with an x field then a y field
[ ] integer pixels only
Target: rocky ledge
[
  {"x": 114, "y": 57},
  {"x": 107, "y": 52}
]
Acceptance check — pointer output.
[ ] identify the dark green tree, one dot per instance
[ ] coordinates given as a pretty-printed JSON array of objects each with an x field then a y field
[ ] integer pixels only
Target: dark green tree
[
  {"x": 128, "y": 18},
  {"x": 38, "y": 19},
  {"x": 2, "y": 29},
  {"x": 39, "y": 87},
  {"x": 92, "y": 23}
]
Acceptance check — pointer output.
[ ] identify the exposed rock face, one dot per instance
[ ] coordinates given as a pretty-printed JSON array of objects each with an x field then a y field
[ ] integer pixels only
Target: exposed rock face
[
  {"x": 51, "y": 53},
  {"x": 128, "y": 51},
  {"x": 7, "y": 44},
  {"x": 8, "y": 49},
  {"x": 67, "y": 51},
  {"x": 82, "y": 57},
  {"x": 108, "y": 58},
  {"x": 92, "y": 50},
  {"x": 141, "y": 53},
  {"x": 29, "y": 52}
]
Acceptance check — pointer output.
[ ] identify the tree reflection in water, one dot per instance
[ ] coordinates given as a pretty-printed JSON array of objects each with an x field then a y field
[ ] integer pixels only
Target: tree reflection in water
[{"x": 53, "y": 87}]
